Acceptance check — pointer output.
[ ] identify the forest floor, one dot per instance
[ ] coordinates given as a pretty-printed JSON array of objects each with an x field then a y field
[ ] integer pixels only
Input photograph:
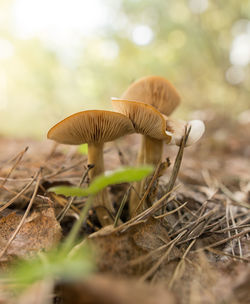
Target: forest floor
[{"x": 199, "y": 252}]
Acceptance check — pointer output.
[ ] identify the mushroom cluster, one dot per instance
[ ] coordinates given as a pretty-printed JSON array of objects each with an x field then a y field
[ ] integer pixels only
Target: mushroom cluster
[{"x": 143, "y": 108}]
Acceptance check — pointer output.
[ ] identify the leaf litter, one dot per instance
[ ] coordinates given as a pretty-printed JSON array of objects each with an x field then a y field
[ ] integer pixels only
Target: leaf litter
[{"x": 191, "y": 246}]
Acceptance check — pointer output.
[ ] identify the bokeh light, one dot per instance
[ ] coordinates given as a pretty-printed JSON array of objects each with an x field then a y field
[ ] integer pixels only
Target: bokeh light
[
  {"x": 235, "y": 75},
  {"x": 63, "y": 56},
  {"x": 240, "y": 51},
  {"x": 142, "y": 35}
]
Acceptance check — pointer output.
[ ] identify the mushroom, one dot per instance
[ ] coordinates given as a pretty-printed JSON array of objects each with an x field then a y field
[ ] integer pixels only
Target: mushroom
[
  {"x": 148, "y": 121},
  {"x": 151, "y": 123},
  {"x": 161, "y": 94},
  {"x": 157, "y": 92},
  {"x": 177, "y": 128},
  {"x": 94, "y": 127}
]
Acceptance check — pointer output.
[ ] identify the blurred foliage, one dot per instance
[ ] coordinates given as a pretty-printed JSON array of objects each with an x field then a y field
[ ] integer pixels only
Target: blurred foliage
[
  {"x": 56, "y": 264},
  {"x": 41, "y": 84}
]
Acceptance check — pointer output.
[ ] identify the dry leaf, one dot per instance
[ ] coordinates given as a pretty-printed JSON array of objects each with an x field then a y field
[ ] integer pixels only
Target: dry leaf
[
  {"x": 40, "y": 231},
  {"x": 117, "y": 250}
]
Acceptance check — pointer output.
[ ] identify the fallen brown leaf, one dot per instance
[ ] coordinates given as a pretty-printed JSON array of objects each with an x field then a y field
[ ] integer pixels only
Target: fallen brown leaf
[{"x": 40, "y": 231}]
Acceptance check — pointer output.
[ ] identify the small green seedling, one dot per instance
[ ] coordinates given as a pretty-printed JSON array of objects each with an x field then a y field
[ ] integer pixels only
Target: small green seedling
[{"x": 123, "y": 175}]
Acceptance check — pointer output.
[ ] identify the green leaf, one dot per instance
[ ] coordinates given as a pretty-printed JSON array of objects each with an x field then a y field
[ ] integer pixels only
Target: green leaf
[
  {"x": 83, "y": 149},
  {"x": 123, "y": 175},
  {"x": 69, "y": 191}
]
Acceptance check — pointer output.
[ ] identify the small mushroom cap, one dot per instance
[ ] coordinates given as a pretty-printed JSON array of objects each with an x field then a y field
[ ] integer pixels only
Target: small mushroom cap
[
  {"x": 94, "y": 126},
  {"x": 145, "y": 118},
  {"x": 156, "y": 91},
  {"x": 197, "y": 130},
  {"x": 177, "y": 128}
]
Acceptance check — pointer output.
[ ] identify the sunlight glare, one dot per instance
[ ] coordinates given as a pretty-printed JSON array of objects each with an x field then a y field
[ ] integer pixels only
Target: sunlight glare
[
  {"x": 240, "y": 50},
  {"x": 47, "y": 18},
  {"x": 142, "y": 35}
]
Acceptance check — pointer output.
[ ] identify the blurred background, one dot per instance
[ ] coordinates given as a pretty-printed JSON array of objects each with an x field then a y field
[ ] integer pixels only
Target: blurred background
[{"x": 58, "y": 57}]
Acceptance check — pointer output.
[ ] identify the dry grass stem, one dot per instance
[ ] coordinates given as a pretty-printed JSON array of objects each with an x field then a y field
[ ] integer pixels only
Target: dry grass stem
[
  {"x": 242, "y": 233},
  {"x": 156, "y": 173},
  {"x": 70, "y": 202},
  {"x": 17, "y": 159},
  {"x": 180, "y": 264},
  {"x": 20, "y": 193},
  {"x": 153, "y": 269},
  {"x": 170, "y": 212},
  {"x": 222, "y": 253},
  {"x": 123, "y": 202}
]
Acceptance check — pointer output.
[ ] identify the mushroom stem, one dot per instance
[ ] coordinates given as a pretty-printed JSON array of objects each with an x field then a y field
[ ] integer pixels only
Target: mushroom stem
[
  {"x": 95, "y": 157},
  {"x": 101, "y": 202},
  {"x": 150, "y": 153},
  {"x": 141, "y": 153},
  {"x": 153, "y": 149}
]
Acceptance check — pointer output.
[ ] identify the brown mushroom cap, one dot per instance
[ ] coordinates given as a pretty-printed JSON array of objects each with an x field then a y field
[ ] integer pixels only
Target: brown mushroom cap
[
  {"x": 94, "y": 126},
  {"x": 146, "y": 119},
  {"x": 156, "y": 91}
]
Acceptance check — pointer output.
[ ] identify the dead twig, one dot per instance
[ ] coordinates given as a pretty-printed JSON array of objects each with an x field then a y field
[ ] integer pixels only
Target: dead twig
[
  {"x": 170, "y": 212},
  {"x": 161, "y": 260},
  {"x": 18, "y": 159},
  {"x": 191, "y": 225},
  {"x": 20, "y": 193},
  {"x": 179, "y": 265},
  {"x": 62, "y": 169},
  {"x": 218, "y": 252},
  {"x": 242, "y": 233},
  {"x": 69, "y": 203},
  {"x": 231, "y": 228},
  {"x": 178, "y": 160},
  {"x": 124, "y": 200},
  {"x": 148, "y": 188},
  {"x": 236, "y": 231},
  {"x": 229, "y": 232}
]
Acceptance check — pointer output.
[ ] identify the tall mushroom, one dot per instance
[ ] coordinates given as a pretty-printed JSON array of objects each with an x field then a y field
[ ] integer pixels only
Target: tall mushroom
[
  {"x": 94, "y": 127},
  {"x": 148, "y": 121},
  {"x": 157, "y": 92},
  {"x": 151, "y": 123}
]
